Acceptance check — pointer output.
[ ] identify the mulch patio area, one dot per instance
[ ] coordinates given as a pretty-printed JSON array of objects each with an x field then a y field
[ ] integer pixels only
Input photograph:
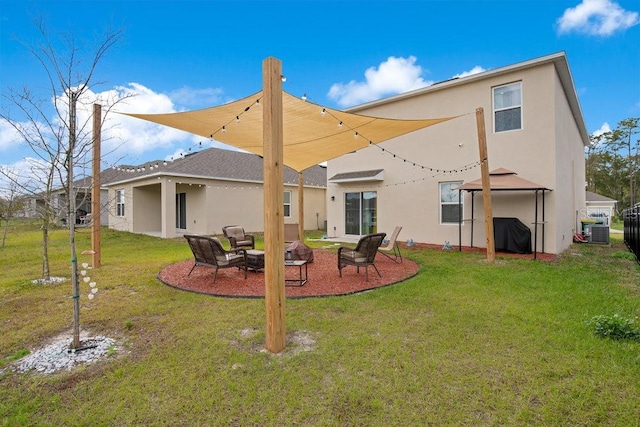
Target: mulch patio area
[{"x": 323, "y": 276}]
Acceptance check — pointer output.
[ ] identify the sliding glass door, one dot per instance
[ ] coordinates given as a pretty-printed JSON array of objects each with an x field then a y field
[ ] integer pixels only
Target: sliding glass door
[
  {"x": 181, "y": 211},
  {"x": 360, "y": 213}
]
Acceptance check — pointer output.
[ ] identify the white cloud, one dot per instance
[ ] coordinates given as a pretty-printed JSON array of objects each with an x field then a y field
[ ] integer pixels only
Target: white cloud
[
  {"x": 129, "y": 137},
  {"x": 9, "y": 137},
  {"x": 395, "y": 75},
  {"x": 29, "y": 174},
  {"x": 603, "y": 129},
  {"x": 475, "y": 70},
  {"x": 124, "y": 139},
  {"x": 597, "y": 17}
]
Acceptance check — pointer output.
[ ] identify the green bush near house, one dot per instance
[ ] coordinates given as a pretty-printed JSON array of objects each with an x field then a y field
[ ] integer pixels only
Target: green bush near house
[{"x": 465, "y": 342}]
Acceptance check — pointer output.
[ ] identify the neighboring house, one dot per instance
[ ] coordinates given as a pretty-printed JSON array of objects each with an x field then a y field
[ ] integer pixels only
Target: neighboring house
[
  {"x": 205, "y": 191},
  {"x": 82, "y": 188},
  {"x": 534, "y": 128},
  {"x": 600, "y": 207}
]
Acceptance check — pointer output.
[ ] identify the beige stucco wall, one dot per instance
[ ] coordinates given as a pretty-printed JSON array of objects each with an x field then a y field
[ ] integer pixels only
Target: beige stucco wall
[
  {"x": 409, "y": 195},
  {"x": 211, "y": 204},
  {"x": 570, "y": 174}
]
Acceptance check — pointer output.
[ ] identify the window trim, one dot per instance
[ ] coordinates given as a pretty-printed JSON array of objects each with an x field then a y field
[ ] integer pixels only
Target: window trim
[
  {"x": 459, "y": 201},
  {"x": 289, "y": 204},
  {"x": 120, "y": 203},
  {"x": 362, "y": 211},
  {"x": 511, "y": 107}
]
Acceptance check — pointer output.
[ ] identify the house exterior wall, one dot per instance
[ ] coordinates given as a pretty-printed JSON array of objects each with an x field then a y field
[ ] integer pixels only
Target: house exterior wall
[
  {"x": 570, "y": 180},
  {"x": 150, "y": 206},
  {"x": 547, "y": 150},
  {"x": 144, "y": 208}
]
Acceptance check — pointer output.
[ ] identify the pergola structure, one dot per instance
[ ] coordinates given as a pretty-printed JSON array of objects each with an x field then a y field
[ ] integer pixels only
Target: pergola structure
[
  {"x": 284, "y": 130},
  {"x": 502, "y": 179}
]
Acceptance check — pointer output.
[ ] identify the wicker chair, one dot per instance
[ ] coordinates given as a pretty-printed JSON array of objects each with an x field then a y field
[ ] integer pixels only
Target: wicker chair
[
  {"x": 208, "y": 252},
  {"x": 363, "y": 255},
  {"x": 238, "y": 238}
]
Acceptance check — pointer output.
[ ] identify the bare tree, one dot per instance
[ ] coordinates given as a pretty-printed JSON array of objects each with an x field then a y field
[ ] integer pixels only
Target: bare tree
[
  {"x": 9, "y": 199},
  {"x": 55, "y": 134}
]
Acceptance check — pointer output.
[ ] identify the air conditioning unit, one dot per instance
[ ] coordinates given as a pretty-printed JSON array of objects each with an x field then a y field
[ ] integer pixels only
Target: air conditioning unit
[{"x": 599, "y": 234}]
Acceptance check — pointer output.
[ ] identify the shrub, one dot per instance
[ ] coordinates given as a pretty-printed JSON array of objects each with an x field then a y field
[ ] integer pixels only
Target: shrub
[{"x": 615, "y": 327}]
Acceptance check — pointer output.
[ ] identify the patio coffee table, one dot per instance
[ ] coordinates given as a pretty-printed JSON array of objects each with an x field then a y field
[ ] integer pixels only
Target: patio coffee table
[
  {"x": 255, "y": 259},
  {"x": 301, "y": 279}
]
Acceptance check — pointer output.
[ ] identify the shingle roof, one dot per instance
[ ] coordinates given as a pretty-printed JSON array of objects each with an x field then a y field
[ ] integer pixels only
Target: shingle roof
[
  {"x": 595, "y": 197},
  {"x": 359, "y": 175},
  {"x": 214, "y": 163}
]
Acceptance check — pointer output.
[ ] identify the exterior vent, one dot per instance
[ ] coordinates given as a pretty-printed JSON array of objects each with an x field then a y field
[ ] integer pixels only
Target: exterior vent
[{"x": 600, "y": 234}]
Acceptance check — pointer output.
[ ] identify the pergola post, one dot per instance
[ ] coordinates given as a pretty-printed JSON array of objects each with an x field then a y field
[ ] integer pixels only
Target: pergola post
[
  {"x": 486, "y": 185},
  {"x": 301, "y": 206},
  {"x": 95, "y": 187},
  {"x": 273, "y": 205}
]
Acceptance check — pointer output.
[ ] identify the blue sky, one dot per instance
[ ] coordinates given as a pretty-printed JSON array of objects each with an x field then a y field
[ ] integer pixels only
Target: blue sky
[{"x": 183, "y": 55}]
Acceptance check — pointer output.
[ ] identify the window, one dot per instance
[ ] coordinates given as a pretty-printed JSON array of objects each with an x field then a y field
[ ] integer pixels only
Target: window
[
  {"x": 119, "y": 202},
  {"x": 287, "y": 204},
  {"x": 449, "y": 197},
  {"x": 360, "y": 213},
  {"x": 507, "y": 107},
  {"x": 181, "y": 211}
]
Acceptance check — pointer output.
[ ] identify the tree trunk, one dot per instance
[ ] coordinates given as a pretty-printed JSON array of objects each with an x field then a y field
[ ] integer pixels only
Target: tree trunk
[
  {"x": 46, "y": 274},
  {"x": 71, "y": 201},
  {"x": 6, "y": 228}
]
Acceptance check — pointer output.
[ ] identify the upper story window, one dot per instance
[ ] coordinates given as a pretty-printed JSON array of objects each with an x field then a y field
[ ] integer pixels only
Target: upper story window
[
  {"x": 119, "y": 202},
  {"x": 287, "y": 204},
  {"x": 507, "y": 107}
]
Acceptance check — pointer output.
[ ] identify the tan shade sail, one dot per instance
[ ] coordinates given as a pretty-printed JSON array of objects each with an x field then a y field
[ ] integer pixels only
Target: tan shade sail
[{"x": 312, "y": 134}]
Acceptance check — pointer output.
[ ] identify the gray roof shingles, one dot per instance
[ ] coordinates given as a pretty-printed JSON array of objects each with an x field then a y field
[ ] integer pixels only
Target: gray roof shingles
[{"x": 214, "y": 163}]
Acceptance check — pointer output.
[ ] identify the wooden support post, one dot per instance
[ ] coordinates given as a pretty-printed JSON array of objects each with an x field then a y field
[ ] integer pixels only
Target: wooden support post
[
  {"x": 95, "y": 187},
  {"x": 273, "y": 205},
  {"x": 486, "y": 185},
  {"x": 301, "y": 206}
]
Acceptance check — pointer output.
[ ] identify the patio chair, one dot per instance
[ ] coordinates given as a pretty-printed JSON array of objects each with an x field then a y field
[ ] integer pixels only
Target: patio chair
[
  {"x": 392, "y": 250},
  {"x": 208, "y": 252},
  {"x": 363, "y": 255},
  {"x": 238, "y": 238}
]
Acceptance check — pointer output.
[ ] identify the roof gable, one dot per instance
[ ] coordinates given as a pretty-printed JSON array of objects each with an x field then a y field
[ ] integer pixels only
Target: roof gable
[{"x": 559, "y": 60}]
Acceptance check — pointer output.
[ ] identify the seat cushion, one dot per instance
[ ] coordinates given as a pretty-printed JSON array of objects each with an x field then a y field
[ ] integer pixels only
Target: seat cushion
[
  {"x": 354, "y": 256},
  {"x": 236, "y": 232}
]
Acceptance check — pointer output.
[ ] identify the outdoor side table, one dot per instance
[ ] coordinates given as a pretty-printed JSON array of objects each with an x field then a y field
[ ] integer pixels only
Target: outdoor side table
[
  {"x": 302, "y": 278},
  {"x": 255, "y": 259}
]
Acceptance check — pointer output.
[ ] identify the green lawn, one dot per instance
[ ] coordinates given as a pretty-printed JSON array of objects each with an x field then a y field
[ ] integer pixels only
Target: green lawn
[{"x": 465, "y": 342}]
